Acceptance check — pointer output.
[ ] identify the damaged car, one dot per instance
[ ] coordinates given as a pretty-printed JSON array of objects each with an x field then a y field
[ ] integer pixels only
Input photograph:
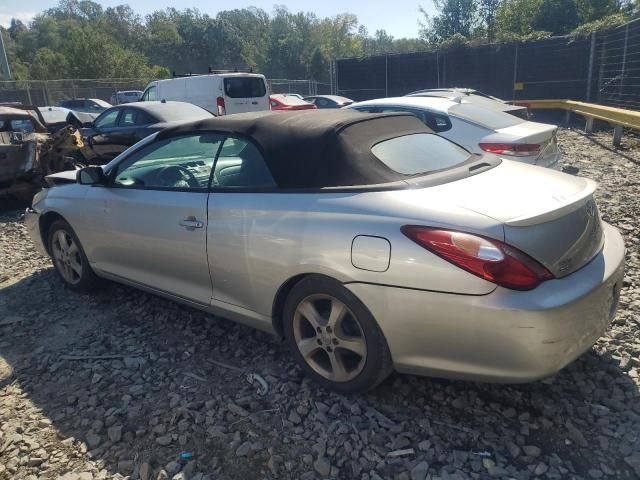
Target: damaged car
[
  {"x": 29, "y": 152},
  {"x": 367, "y": 241}
]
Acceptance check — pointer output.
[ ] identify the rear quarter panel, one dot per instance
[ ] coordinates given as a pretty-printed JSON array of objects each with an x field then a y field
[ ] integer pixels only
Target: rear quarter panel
[{"x": 258, "y": 241}]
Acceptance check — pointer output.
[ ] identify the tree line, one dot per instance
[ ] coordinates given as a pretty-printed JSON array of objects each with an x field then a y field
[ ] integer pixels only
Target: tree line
[{"x": 81, "y": 39}]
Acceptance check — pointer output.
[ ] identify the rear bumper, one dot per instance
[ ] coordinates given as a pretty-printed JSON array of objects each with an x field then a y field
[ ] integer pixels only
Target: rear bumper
[
  {"x": 32, "y": 222},
  {"x": 505, "y": 336}
]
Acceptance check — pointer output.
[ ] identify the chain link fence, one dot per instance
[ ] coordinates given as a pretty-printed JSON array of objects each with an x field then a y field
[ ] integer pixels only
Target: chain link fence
[
  {"x": 301, "y": 87},
  {"x": 603, "y": 67},
  {"x": 618, "y": 75},
  {"x": 50, "y": 92}
]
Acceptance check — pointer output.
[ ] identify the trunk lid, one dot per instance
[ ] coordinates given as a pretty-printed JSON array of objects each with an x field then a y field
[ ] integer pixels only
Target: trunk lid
[
  {"x": 549, "y": 215},
  {"x": 542, "y": 134}
]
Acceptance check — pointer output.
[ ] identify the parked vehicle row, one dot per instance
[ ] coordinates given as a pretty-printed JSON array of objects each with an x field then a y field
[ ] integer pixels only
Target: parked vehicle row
[
  {"x": 366, "y": 240},
  {"x": 122, "y": 126},
  {"x": 85, "y": 105},
  {"x": 469, "y": 95},
  {"x": 477, "y": 128},
  {"x": 125, "y": 96},
  {"x": 219, "y": 93}
]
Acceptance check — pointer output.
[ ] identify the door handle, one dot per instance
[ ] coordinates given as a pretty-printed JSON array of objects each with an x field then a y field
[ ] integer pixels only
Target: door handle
[{"x": 190, "y": 223}]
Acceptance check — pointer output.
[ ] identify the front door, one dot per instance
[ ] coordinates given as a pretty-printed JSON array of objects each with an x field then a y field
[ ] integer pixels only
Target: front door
[
  {"x": 150, "y": 223},
  {"x": 101, "y": 140},
  {"x": 241, "y": 183}
]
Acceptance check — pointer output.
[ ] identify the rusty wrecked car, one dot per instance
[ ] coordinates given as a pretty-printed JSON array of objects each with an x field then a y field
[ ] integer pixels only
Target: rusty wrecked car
[{"x": 28, "y": 152}]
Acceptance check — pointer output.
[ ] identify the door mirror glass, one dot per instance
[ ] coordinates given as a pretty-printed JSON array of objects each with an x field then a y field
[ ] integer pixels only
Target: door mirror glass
[{"x": 90, "y": 176}]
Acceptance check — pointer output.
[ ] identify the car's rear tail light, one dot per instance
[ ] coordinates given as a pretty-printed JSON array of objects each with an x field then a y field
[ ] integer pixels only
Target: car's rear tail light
[
  {"x": 490, "y": 259},
  {"x": 220, "y": 105},
  {"x": 513, "y": 149}
]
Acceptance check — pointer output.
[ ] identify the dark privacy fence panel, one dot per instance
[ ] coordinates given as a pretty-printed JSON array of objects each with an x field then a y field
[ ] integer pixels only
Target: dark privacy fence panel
[{"x": 603, "y": 67}]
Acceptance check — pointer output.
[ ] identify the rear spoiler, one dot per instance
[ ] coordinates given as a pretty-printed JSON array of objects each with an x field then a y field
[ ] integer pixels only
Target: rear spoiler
[{"x": 571, "y": 203}]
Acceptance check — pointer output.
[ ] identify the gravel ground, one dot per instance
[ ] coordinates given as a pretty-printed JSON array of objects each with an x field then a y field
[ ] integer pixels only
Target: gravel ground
[{"x": 166, "y": 393}]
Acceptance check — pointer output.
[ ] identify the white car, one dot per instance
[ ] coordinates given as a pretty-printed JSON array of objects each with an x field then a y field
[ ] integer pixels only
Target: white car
[
  {"x": 469, "y": 95},
  {"x": 219, "y": 93},
  {"x": 476, "y": 128}
]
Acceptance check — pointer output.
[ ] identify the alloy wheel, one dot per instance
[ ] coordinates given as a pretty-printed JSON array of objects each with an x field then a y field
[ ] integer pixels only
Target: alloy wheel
[
  {"x": 66, "y": 256},
  {"x": 329, "y": 338}
]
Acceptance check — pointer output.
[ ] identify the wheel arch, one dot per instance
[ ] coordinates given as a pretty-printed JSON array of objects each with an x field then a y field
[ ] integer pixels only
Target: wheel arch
[
  {"x": 280, "y": 299},
  {"x": 44, "y": 223}
]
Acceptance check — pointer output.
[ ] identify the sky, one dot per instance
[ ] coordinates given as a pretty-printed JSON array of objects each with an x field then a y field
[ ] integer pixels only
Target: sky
[{"x": 399, "y": 17}]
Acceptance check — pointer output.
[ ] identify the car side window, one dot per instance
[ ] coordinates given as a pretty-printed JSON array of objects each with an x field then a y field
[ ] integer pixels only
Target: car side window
[
  {"x": 107, "y": 119},
  {"x": 177, "y": 163},
  {"x": 150, "y": 95},
  {"x": 131, "y": 117},
  {"x": 128, "y": 118},
  {"x": 241, "y": 165},
  {"x": 274, "y": 103},
  {"x": 322, "y": 102}
]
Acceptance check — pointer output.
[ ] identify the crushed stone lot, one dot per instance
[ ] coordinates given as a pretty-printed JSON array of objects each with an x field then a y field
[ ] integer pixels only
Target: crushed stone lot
[{"x": 125, "y": 384}]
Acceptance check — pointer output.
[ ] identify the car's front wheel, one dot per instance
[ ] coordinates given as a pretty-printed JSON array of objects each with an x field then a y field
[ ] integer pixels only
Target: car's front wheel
[
  {"x": 69, "y": 258},
  {"x": 334, "y": 336}
]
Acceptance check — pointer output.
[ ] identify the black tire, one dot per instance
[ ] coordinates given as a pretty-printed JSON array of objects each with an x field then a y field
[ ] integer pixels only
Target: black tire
[
  {"x": 86, "y": 280},
  {"x": 374, "y": 367}
]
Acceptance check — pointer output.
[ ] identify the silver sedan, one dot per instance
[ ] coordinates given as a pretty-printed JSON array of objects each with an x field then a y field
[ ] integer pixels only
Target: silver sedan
[{"x": 366, "y": 241}]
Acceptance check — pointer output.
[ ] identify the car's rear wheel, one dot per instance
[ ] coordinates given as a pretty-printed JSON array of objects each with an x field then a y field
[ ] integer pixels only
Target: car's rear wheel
[
  {"x": 69, "y": 258},
  {"x": 334, "y": 337}
]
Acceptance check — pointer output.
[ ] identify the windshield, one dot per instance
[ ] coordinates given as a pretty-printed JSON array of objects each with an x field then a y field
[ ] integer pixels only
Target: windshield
[
  {"x": 244, "y": 87},
  {"x": 419, "y": 153},
  {"x": 54, "y": 114},
  {"x": 484, "y": 117}
]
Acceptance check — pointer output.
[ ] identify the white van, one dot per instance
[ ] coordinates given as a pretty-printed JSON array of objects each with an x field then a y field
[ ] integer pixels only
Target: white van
[{"x": 219, "y": 93}]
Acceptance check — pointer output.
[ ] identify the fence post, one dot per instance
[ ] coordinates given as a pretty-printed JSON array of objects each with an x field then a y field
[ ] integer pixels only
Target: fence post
[
  {"x": 592, "y": 54},
  {"x": 601, "y": 74},
  {"x": 386, "y": 75},
  {"x": 45, "y": 96},
  {"x": 588, "y": 126},
  {"x": 624, "y": 56},
  {"x": 444, "y": 70},
  {"x": 29, "y": 94},
  {"x": 515, "y": 73},
  {"x": 617, "y": 135},
  {"x": 438, "y": 66}
]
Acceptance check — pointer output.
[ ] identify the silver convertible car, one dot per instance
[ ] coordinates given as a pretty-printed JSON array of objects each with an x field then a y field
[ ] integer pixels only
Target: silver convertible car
[{"x": 366, "y": 241}]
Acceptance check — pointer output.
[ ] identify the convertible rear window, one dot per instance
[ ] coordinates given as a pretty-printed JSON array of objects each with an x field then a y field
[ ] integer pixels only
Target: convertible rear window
[
  {"x": 244, "y": 87},
  {"x": 419, "y": 153}
]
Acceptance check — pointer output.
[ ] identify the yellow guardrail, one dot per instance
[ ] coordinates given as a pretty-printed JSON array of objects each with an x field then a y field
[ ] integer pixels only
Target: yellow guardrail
[{"x": 619, "y": 117}]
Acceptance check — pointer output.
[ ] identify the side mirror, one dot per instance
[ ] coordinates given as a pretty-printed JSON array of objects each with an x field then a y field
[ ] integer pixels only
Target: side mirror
[{"x": 91, "y": 176}]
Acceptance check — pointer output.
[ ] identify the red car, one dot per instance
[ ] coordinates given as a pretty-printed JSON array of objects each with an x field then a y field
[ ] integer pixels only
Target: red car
[{"x": 289, "y": 102}]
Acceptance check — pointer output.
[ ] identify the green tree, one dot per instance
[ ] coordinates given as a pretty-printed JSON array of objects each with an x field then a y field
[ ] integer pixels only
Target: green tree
[
  {"x": 556, "y": 16},
  {"x": 453, "y": 17},
  {"x": 318, "y": 67},
  {"x": 49, "y": 65},
  {"x": 487, "y": 10}
]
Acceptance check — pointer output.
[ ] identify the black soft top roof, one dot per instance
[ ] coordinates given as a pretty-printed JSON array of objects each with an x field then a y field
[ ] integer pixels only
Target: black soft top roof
[{"x": 316, "y": 149}]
